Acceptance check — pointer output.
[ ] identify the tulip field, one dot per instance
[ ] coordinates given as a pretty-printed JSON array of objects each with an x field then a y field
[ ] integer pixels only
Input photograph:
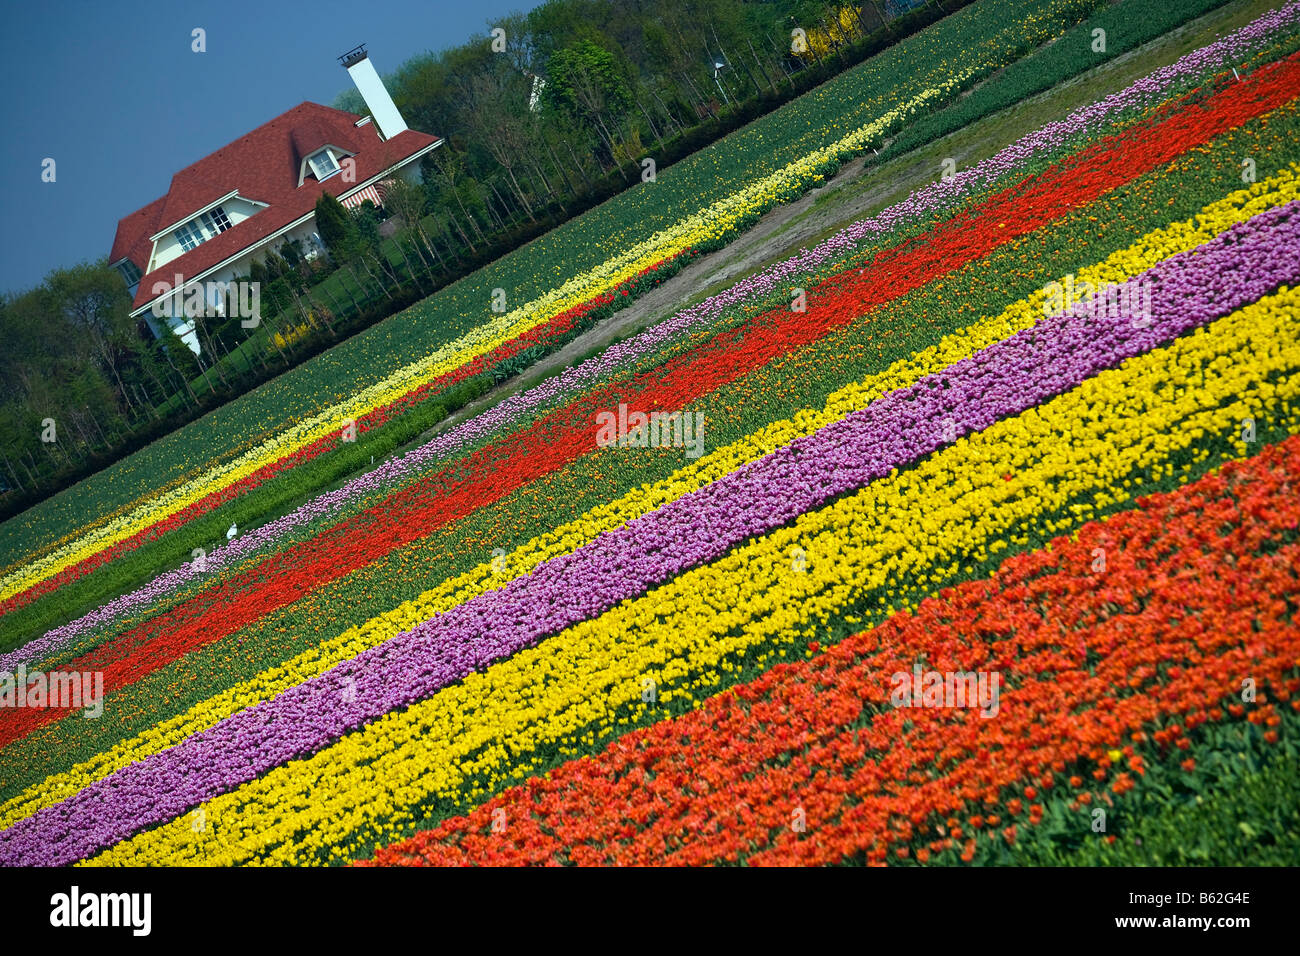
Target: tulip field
[
  {"x": 701, "y": 203},
  {"x": 1031, "y": 433}
]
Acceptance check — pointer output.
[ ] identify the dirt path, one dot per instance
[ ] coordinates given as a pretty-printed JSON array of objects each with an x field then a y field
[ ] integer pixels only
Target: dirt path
[
  {"x": 714, "y": 270},
  {"x": 858, "y": 191}
]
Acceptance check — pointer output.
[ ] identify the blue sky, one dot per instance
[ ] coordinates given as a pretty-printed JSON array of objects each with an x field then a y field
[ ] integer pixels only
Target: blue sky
[{"x": 113, "y": 92}]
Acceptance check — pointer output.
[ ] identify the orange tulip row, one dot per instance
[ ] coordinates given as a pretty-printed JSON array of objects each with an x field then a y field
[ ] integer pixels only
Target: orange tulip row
[{"x": 814, "y": 762}]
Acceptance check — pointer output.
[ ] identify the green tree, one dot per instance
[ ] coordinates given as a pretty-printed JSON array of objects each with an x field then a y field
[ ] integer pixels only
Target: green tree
[
  {"x": 338, "y": 230},
  {"x": 95, "y": 303},
  {"x": 584, "y": 81},
  {"x": 409, "y": 203}
]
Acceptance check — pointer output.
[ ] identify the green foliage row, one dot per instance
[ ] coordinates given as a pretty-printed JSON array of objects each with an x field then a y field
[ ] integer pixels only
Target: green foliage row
[
  {"x": 287, "y": 490},
  {"x": 1240, "y": 806},
  {"x": 1127, "y": 25}
]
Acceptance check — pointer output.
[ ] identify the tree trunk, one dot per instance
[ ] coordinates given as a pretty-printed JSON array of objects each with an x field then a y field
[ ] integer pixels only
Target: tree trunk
[
  {"x": 205, "y": 338},
  {"x": 144, "y": 400},
  {"x": 360, "y": 284},
  {"x": 700, "y": 98},
  {"x": 415, "y": 276},
  {"x": 121, "y": 388},
  {"x": 184, "y": 381},
  {"x": 334, "y": 303},
  {"x": 465, "y": 212},
  {"x": 558, "y": 165},
  {"x": 424, "y": 242},
  {"x": 32, "y": 466},
  {"x": 270, "y": 337},
  {"x": 338, "y": 271},
  {"x": 528, "y": 209},
  {"x": 672, "y": 120},
  {"x": 650, "y": 122},
  {"x": 501, "y": 201},
  {"x": 780, "y": 59},
  {"x": 12, "y": 474},
  {"x": 83, "y": 432},
  {"x": 536, "y": 164},
  {"x": 762, "y": 69},
  {"x": 576, "y": 162},
  {"x": 147, "y": 364},
  {"x": 461, "y": 232}
]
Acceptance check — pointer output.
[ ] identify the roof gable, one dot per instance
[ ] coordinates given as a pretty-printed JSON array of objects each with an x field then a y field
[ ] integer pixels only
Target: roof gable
[
  {"x": 310, "y": 135},
  {"x": 263, "y": 165},
  {"x": 133, "y": 232}
]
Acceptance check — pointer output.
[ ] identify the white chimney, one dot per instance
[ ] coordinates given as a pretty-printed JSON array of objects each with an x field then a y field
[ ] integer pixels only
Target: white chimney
[{"x": 372, "y": 90}]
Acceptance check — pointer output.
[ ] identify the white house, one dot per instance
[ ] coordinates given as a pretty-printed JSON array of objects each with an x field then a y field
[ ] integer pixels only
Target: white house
[{"x": 257, "y": 193}]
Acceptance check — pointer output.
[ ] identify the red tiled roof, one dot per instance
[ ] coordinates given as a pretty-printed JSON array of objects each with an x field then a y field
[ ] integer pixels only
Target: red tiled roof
[
  {"x": 262, "y": 166},
  {"x": 133, "y": 232},
  {"x": 190, "y": 191}
]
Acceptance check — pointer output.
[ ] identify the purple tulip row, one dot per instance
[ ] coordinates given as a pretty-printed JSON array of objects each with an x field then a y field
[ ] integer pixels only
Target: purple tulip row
[
  {"x": 1191, "y": 289},
  {"x": 924, "y": 202}
]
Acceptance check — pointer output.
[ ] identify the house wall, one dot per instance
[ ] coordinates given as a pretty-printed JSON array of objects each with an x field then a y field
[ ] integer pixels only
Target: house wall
[
  {"x": 309, "y": 242},
  {"x": 168, "y": 247},
  {"x": 411, "y": 173}
]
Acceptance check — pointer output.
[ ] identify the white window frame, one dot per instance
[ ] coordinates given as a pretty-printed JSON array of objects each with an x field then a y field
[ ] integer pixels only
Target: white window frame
[
  {"x": 189, "y": 235},
  {"x": 130, "y": 272},
  {"x": 215, "y": 221},
  {"x": 320, "y": 172}
]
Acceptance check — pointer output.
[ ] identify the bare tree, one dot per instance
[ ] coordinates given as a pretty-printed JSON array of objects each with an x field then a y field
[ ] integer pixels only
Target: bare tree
[{"x": 500, "y": 120}]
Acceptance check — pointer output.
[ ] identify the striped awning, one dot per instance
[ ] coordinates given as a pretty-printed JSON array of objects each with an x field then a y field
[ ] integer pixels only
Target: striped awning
[{"x": 371, "y": 192}]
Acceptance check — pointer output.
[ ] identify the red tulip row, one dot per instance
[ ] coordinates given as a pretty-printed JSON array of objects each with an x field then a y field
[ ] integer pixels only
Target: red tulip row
[
  {"x": 492, "y": 472},
  {"x": 558, "y": 325},
  {"x": 814, "y": 763}
]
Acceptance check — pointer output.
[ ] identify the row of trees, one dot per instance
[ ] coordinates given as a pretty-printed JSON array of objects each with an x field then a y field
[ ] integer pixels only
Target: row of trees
[
  {"x": 539, "y": 112},
  {"x": 78, "y": 376}
]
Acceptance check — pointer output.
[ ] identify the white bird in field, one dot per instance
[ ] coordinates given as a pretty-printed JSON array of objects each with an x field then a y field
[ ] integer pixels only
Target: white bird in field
[{"x": 234, "y": 530}]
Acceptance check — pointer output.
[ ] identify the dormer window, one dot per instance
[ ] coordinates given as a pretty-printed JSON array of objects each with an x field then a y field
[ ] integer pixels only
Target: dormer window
[
  {"x": 211, "y": 223},
  {"x": 189, "y": 235},
  {"x": 323, "y": 164},
  {"x": 215, "y": 221}
]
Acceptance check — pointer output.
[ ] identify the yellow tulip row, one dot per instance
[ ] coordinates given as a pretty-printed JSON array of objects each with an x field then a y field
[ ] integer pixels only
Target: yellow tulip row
[
  {"x": 573, "y": 691},
  {"x": 992, "y": 50},
  {"x": 1118, "y": 267},
  {"x": 719, "y": 220}
]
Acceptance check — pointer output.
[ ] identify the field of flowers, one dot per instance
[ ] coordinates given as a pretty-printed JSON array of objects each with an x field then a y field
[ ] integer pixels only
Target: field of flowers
[
  {"x": 698, "y": 204},
  {"x": 1028, "y": 435}
]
